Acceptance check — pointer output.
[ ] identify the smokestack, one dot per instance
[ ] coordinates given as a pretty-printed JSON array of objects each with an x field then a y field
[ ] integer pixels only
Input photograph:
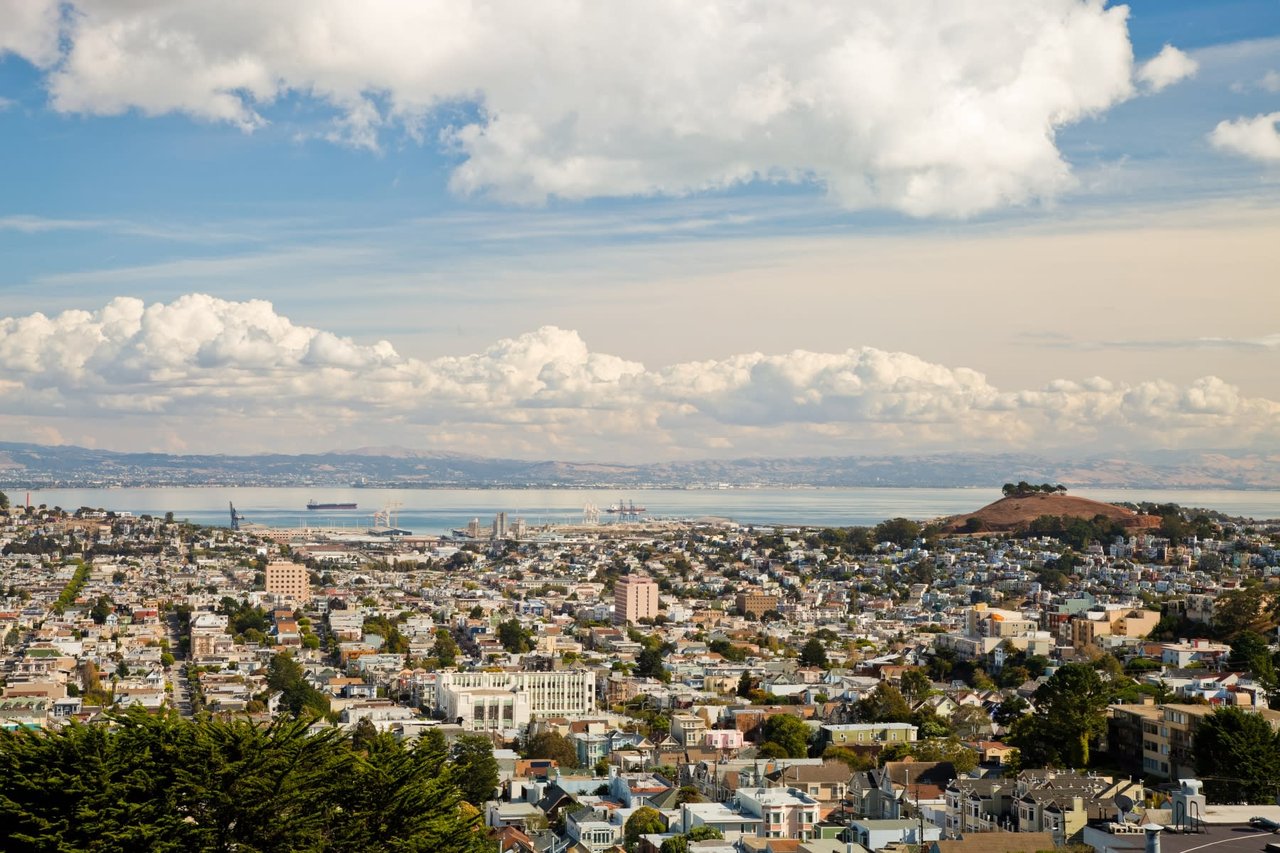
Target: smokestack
[{"x": 1153, "y": 836}]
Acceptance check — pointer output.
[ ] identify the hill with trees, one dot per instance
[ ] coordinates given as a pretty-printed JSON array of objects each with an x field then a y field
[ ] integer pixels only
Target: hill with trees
[{"x": 1020, "y": 508}]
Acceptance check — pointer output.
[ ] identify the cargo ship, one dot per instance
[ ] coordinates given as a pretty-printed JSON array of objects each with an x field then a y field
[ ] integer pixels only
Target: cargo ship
[{"x": 314, "y": 505}]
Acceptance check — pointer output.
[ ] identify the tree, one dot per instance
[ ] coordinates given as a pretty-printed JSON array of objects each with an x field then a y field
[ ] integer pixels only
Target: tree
[
  {"x": 163, "y": 783},
  {"x": 746, "y": 684},
  {"x": 553, "y": 746},
  {"x": 814, "y": 654},
  {"x": 884, "y": 704},
  {"x": 643, "y": 821},
  {"x": 363, "y": 735},
  {"x": 688, "y": 794},
  {"x": 915, "y": 685},
  {"x": 649, "y": 665},
  {"x": 299, "y": 698},
  {"x": 477, "y": 768},
  {"x": 445, "y": 650},
  {"x": 1238, "y": 756},
  {"x": 102, "y": 608},
  {"x": 1070, "y": 710},
  {"x": 900, "y": 531},
  {"x": 1247, "y": 649},
  {"x": 1237, "y": 610},
  {"x": 1012, "y": 708},
  {"x": 788, "y": 732},
  {"x": 855, "y": 760},
  {"x": 515, "y": 638},
  {"x": 929, "y": 724},
  {"x": 971, "y": 722},
  {"x": 4, "y": 501}
]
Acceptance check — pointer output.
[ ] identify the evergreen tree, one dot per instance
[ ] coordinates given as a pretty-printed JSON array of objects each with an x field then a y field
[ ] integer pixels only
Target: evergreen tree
[
  {"x": 1238, "y": 756},
  {"x": 477, "y": 768},
  {"x": 814, "y": 654},
  {"x": 162, "y": 783}
]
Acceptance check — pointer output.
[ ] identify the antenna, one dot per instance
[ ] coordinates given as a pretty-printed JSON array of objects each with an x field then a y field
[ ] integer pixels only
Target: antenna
[{"x": 1124, "y": 805}]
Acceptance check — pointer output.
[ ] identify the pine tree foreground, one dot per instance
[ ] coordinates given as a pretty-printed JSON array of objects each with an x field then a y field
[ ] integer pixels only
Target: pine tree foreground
[{"x": 162, "y": 783}]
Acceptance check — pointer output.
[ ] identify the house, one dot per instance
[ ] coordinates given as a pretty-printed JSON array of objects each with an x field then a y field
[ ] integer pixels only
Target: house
[
  {"x": 878, "y": 834},
  {"x": 919, "y": 783},
  {"x": 827, "y": 782},
  {"x": 592, "y": 828}
]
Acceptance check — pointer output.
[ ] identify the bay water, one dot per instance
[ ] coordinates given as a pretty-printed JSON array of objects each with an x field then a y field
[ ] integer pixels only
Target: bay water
[{"x": 436, "y": 511}]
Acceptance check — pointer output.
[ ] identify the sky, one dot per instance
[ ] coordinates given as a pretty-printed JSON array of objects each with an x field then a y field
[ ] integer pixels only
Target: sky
[{"x": 641, "y": 232}]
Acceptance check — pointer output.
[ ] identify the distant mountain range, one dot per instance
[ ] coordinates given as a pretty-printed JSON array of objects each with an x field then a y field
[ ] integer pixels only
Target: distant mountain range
[{"x": 40, "y": 466}]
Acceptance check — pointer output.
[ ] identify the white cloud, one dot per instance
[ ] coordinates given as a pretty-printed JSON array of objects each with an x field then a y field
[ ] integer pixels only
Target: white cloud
[
  {"x": 1167, "y": 67},
  {"x": 211, "y": 367},
  {"x": 1270, "y": 81},
  {"x": 30, "y": 30},
  {"x": 943, "y": 108},
  {"x": 1257, "y": 137}
]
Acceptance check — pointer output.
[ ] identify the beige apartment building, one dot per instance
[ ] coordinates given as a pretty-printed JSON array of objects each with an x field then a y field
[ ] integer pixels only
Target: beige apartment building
[
  {"x": 1086, "y": 628},
  {"x": 1164, "y": 735},
  {"x": 635, "y": 597},
  {"x": 754, "y": 602},
  {"x": 288, "y": 580}
]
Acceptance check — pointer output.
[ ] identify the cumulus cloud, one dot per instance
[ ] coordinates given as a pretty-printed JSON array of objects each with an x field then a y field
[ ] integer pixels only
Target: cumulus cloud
[
  {"x": 205, "y": 367},
  {"x": 945, "y": 108},
  {"x": 1167, "y": 67},
  {"x": 30, "y": 29},
  {"x": 1257, "y": 138}
]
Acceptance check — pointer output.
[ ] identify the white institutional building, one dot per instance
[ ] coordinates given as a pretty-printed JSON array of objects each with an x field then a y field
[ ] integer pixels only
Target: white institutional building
[{"x": 498, "y": 701}]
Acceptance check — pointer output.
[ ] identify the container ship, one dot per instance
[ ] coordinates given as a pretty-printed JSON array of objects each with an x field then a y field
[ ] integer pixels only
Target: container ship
[{"x": 314, "y": 505}]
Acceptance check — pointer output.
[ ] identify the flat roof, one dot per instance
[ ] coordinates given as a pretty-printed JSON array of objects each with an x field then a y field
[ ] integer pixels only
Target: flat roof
[{"x": 1223, "y": 838}]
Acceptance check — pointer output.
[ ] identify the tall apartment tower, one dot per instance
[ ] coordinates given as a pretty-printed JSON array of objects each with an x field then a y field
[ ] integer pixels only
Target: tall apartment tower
[
  {"x": 288, "y": 580},
  {"x": 634, "y": 598}
]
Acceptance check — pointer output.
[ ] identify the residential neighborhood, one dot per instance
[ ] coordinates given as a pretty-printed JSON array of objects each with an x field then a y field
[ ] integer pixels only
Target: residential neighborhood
[{"x": 650, "y": 685}]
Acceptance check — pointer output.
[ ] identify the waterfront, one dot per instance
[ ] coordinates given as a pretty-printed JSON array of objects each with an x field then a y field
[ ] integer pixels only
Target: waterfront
[{"x": 431, "y": 511}]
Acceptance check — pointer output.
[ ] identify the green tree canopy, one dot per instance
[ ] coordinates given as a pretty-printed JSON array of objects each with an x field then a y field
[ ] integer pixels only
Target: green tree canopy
[
  {"x": 814, "y": 654},
  {"x": 900, "y": 531},
  {"x": 1070, "y": 712},
  {"x": 884, "y": 704},
  {"x": 971, "y": 722},
  {"x": 643, "y": 821},
  {"x": 445, "y": 650},
  {"x": 915, "y": 685},
  {"x": 553, "y": 746},
  {"x": 1012, "y": 708},
  {"x": 514, "y": 637},
  {"x": 788, "y": 732},
  {"x": 1238, "y": 756},
  {"x": 477, "y": 768},
  {"x": 162, "y": 783},
  {"x": 297, "y": 696}
]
